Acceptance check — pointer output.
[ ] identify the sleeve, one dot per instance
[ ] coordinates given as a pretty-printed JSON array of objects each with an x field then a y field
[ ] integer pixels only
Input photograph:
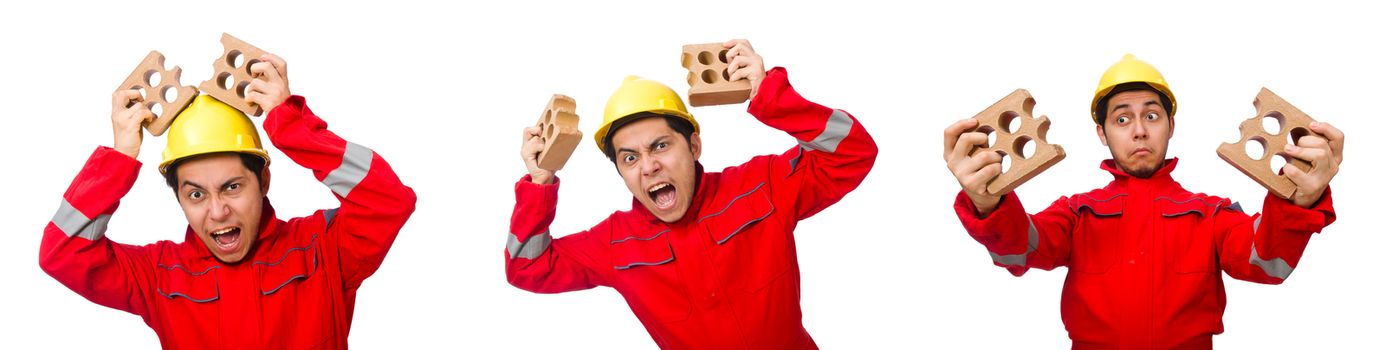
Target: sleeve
[
  {"x": 374, "y": 203},
  {"x": 1018, "y": 241},
  {"x": 1266, "y": 247},
  {"x": 75, "y": 250},
  {"x": 834, "y": 153},
  {"x": 536, "y": 262}
]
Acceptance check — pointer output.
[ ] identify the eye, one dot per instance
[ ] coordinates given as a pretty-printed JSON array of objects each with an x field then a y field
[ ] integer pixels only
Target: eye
[
  {"x": 628, "y": 158},
  {"x": 195, "y": 194},
  {"x": 1152, "y": 116},
  {"x": 1123, "y": 119},
  {"x": 662, "y": 145},
  {"x": 233, "y": 186}
]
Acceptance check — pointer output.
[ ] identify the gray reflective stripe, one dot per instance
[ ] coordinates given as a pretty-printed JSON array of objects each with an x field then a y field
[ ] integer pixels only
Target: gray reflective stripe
[
  {"x": 794, "y": 163},
  {"x": 1276, "y": 267},
  {"x": 1235, "y": 206},
  {"x": 1018, "y": 260},
  {"x": 839, "y": 124},
  {"x": 328, "y": 215},
  {"x": 74, "y": 223},
  {"x": 356, "y": 162},
  {"x": 634, "y": 264},
  {"x": 529, "y": 249}
]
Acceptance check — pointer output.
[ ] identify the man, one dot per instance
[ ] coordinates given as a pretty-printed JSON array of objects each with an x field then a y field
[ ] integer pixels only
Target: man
[
  {"x": 241, "y": 278},
  {"x": 1145, "y": 255},
  {"x": 706, "y": 260}
]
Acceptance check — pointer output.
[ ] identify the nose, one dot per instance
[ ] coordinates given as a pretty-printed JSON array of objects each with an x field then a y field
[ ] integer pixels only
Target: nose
[
  {"x": 218, "y": 210},
  {"x": 649, "y": 166},
  {"x": 1139, "y": 131}
]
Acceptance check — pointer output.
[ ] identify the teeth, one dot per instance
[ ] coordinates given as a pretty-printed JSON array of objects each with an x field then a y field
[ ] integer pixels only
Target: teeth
[
  {"x": 657, "y": 187},
  {"x": 223, "y": 231}
]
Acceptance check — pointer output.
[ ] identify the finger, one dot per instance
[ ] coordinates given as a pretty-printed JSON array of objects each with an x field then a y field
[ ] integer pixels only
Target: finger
[
  {"x": 982, "y": 177},
  {"x": 978, "y": 161},
  {"x": 951, "y": 133},
  {"x": 1314, "y": 156},
  {"x": 1299, "y": 177},
  {"x": 1335, "y": 138},
  {"x": 122, "y": 98},
  {"x": 266, "y": 70},
  {"x": 734, "y": 42},
  {"x": 145, "y": 115},
  {"x": 966, "y": 143},
  {"x": 1311, "y": 141},
  {"x": 279, "y": 64}
]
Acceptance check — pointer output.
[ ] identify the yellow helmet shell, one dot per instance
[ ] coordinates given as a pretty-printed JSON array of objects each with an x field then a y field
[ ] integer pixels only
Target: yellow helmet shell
[
  {"x": 210, "y": 126},
  {"x": 637, "y": 95},
  {"x": 1131, "y": 70}
]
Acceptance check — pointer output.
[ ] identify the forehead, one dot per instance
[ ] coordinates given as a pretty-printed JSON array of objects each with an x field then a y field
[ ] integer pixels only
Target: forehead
[
  {"x": 1133, "y": 98},
  {"x": 212, "y": 166},
  {"x": 640, "y": 131}
]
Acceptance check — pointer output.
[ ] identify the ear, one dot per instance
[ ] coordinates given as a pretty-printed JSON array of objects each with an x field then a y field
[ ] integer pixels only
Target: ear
[
  {"x": 1171, "y": 127},
  {"x": 264, "y": 180},
  {"x": 695, "y": 144},
  {"x": 1102, "y": 135}
]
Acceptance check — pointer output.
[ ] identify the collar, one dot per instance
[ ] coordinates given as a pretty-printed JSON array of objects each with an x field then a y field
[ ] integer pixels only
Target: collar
[
  {"x": 703, "y": 186},
  {"x": 269, "y": 225}
]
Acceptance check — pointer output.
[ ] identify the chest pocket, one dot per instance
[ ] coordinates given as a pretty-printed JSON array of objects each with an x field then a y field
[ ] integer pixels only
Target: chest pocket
[
  {"x": 295, "y": 264},
  {"x": 647, "y": 278},
  {"x": 751, "y": 250},
  {"x": 1188, "y": 242},
  {"x": 1098, "y": 237},
  {"x": 178, "y": 282}
]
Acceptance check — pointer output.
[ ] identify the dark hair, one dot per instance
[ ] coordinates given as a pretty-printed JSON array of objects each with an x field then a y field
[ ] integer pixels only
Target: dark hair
[
  {"x": 680, "y": 125},
  {"x": 252, "y": 162},
  {"x": 1102, "y": 104}
]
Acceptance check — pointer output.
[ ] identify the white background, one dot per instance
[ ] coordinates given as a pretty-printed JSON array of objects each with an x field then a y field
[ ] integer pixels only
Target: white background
[{"x": 442, "y": 91}]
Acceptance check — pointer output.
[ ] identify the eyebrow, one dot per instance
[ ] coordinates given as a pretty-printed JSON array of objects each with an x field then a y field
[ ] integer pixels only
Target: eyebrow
[
  {"x": 652, "y": 144},
  {"x": 223, "y": 185},
  {"x": 1127, "y": 105}
]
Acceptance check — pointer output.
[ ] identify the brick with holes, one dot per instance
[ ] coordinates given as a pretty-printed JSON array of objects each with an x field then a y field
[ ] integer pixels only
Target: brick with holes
[
  {"x": 558, "y": 129},
  {"x": 1017, "y": 107},
  {"x": 1293, "y": 125},
  {"x": 167, "y": 94},
  {"x": 707, "y": 77},
  {"x": 229, "y": 79}
]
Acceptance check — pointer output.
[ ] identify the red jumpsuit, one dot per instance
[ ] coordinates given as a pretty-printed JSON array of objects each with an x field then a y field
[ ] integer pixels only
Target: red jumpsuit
[
  {"x": 296, "y": 289},
  {"x": 1146, "y": 256},
  {"x": 725, "y": 276}
]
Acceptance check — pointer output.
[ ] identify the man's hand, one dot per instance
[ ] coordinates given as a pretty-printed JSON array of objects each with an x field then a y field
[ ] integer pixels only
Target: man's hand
[
  {"x": 529, "y": 151},
  {"x": 128, "y": 115},
  {"x": 975, "y": 171},
  {"x": 744, "y": 63},
  {"x": 1324, "y": 154},
  {"x": 274, "y": 88}
]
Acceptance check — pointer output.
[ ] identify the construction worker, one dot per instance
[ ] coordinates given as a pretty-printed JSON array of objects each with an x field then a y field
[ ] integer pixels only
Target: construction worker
[
  {"x": 241, "y": 278},
  {"x": 1145, "y": 256},
  {"x": 706, "y": 260}
]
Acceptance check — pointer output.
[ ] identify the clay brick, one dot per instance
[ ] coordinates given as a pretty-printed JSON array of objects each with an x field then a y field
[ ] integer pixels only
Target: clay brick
[
  {"x": 1017, "y": 107},
  {"x": 153, "y": 67},
  {"x": 707, "y": 77},
  {"x": 1293, "y": 125},
  {"x": 229, "y": 80},
  {"x": 559, "y": 132}
]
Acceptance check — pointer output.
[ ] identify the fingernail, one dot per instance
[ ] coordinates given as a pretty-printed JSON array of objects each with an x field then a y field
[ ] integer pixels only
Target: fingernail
[{"x": 1314, "y": 124}]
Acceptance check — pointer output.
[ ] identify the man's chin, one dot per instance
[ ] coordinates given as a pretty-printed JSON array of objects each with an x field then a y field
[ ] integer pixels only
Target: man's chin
[{"x": 1143, "y": 171}]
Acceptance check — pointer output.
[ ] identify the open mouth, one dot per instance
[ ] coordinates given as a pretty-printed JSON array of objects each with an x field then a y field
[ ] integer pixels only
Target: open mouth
[
  {"x": 227, "y": 239},
  {"x": 663, "y": 195}
]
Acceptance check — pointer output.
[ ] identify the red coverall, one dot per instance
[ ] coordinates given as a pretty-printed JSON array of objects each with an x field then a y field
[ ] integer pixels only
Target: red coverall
[
  {"x": 725, "y": 276},
  {"x": 1145, "y": 256},
  {"x": 296, "y": 289}
]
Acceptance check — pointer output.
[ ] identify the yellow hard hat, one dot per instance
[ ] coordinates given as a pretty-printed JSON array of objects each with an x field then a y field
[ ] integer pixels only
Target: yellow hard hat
[
  {"x": 1132, "y": 70},
  {"x": 210, "y": 126},
  {"x": 637, "y": 95}
]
